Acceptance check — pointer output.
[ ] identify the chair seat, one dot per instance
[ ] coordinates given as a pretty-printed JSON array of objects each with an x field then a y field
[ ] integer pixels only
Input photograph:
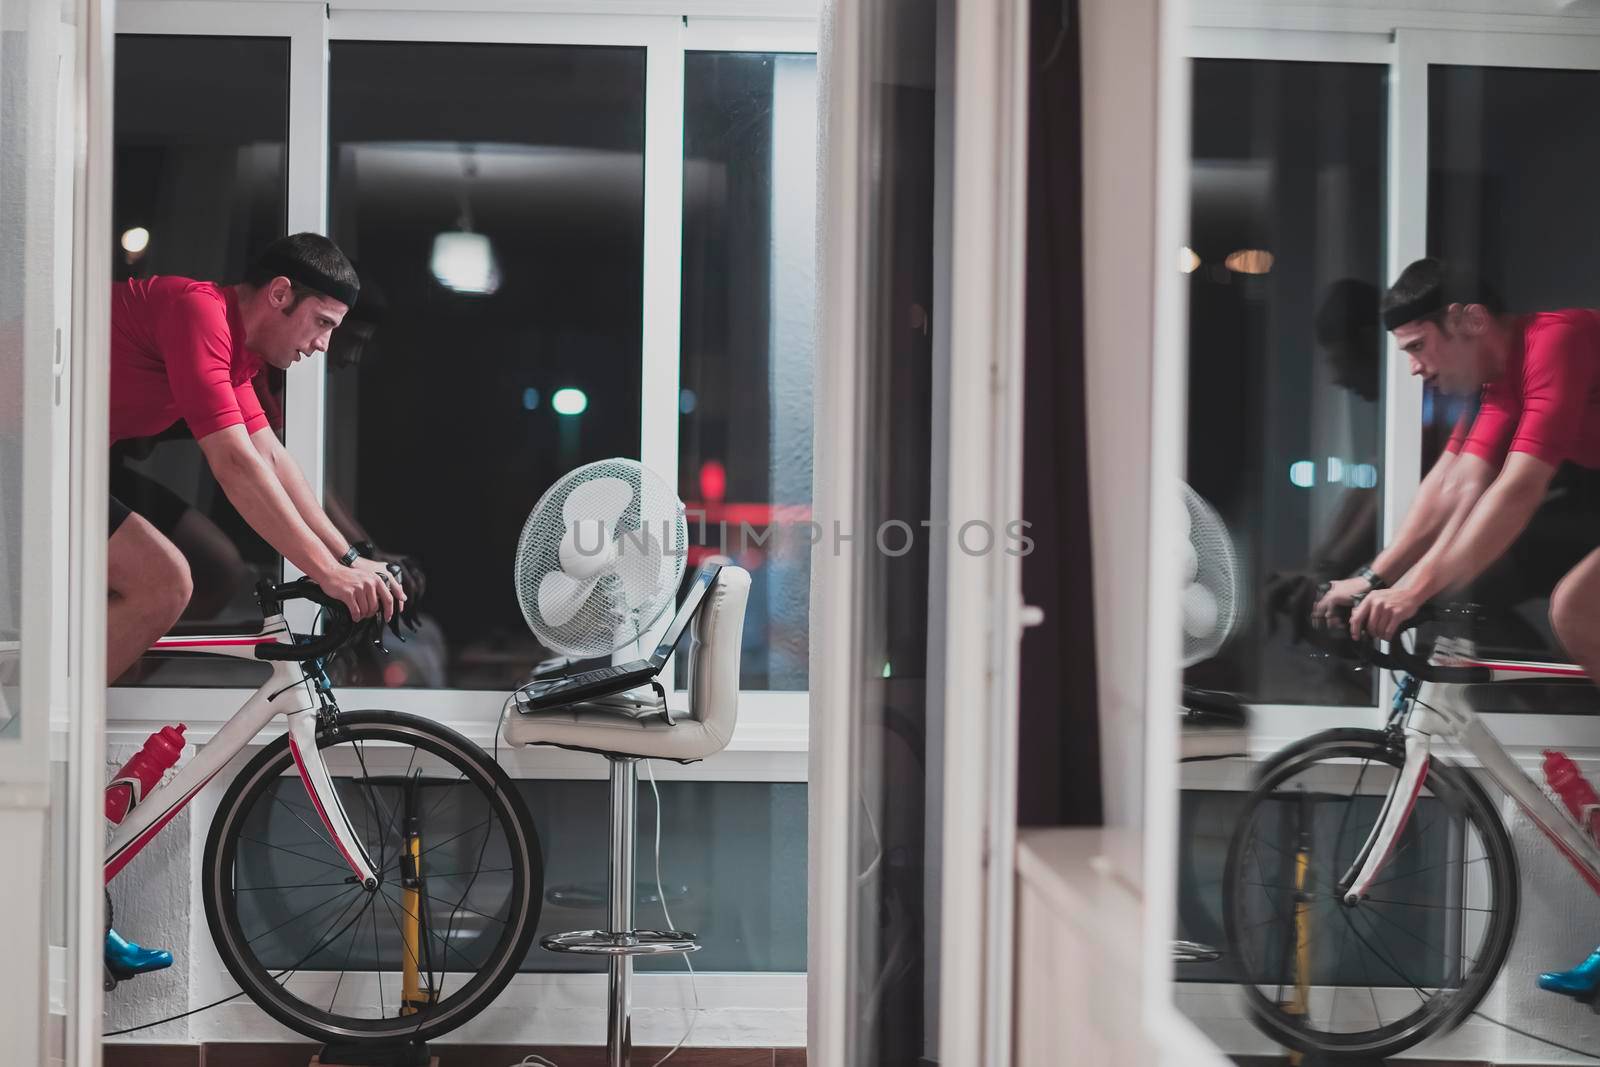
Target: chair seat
[{"x": 632, "y": 724}]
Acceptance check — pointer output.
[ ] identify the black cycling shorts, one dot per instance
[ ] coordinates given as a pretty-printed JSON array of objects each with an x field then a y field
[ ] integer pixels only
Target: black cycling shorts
[
  {"x": 119, "y": 514},
  {"x": 132, "y": 491}
]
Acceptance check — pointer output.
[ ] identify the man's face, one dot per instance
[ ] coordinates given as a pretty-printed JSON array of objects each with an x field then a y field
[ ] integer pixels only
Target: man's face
[
  {"x": 1445, "y": 355},
  {"x": 299, "y": 328}
]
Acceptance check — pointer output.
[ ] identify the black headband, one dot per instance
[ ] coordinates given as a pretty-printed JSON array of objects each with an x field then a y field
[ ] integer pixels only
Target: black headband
[
  {"x": 310, "y": 277},
  {"x": 1427, "y": 304}
]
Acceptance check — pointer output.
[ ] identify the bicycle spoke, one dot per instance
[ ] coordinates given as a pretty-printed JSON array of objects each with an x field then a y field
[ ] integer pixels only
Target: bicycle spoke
[
  {"x": 377, "y": 956},
  {"x": 446, "y": 841},
  {"x": 469, "y": 964},
  {"x": 296, "y": 918},
  {"x": 292, "y": 852},
  {"x": 462, "y": 874},
  {"x": 316, "y": 833},
  {"x": 317, "y": 946},
  {"x": 1418, "y": 904},
  {"x": 1424, "y": 870},
  {"x": 1430, "y": 946},
  {"x": 373, "y": 801},
  {"x": 459, "y": 906},
  {"x": 302, "y": 885},
  {"x": 342, "y": 969}
]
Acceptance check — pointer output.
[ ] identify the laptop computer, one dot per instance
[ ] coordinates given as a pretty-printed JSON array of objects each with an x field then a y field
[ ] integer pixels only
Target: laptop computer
[{"x": 602, "y": 681}]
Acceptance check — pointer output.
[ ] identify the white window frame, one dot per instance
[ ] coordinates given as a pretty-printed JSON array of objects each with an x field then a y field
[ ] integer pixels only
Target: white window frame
[
  {"x": 772, "y": 736},
  {"x": 1407, "y": 42}
]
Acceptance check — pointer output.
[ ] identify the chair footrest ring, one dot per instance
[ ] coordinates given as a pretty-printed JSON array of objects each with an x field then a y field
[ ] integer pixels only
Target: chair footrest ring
[{"x": 629, "y": 943}]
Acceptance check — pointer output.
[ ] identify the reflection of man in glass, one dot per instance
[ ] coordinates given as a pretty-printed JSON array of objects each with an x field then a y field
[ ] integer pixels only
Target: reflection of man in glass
[
  {"x": 1513, "y": 505},
  {"x": 185, "y": 349},
  {"x": 1346, "y": 328}
]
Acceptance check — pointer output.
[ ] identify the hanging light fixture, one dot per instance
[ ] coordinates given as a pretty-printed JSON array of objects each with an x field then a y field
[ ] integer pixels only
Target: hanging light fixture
[{"x": 464, "y": 261}]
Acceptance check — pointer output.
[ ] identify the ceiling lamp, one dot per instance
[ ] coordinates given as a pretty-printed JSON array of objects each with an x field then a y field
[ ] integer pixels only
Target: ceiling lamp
[
  {"x": 1249, "y": 261},
  {"x": 464, "y": 261}
]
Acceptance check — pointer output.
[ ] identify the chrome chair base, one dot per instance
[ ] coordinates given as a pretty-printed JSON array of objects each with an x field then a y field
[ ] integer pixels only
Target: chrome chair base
[
  {"x": 622, "y": 942},
  {"x": 1194, "y": 952},
  {"x": 630, "y": 943}
]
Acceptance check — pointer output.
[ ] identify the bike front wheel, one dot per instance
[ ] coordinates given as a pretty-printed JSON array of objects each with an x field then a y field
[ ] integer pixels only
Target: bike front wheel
[
  {"x": 454, "y": 909},
  {"x": 1414, "y": 956}
]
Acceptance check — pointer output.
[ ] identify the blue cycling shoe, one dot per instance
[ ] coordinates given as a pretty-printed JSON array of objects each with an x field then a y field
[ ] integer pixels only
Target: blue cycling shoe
[
  {"x": 1582, "y": 981},
  {"x": 124, "y": 959}
]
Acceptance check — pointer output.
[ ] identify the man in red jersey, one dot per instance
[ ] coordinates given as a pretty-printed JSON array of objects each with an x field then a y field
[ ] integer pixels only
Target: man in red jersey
[
  {"x": 186, "y": 349},
  {"x": 1512, "y": 509}
]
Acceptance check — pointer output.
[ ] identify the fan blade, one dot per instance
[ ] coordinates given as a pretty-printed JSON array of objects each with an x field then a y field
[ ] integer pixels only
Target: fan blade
[
  {"x": 1199, "y": 612},
  {"x": 603, "y": 498},
  {"x": 639, "y": 559},
  {"x": 587, "y": 548},
  {"x": 560, "y": 597}
]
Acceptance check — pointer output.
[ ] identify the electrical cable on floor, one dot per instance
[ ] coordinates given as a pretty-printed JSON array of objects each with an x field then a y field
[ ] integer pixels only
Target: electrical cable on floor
[
  {"x": 661, "y": 894},
  {"x": 173, "y": 1018},
  {"x": 1536, "y": 1037}
]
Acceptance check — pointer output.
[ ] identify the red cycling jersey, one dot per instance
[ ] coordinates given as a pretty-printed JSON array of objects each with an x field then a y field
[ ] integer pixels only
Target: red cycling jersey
[
  {"x": 177, "y": 352},
  {"x": 1547, "y": 402}
]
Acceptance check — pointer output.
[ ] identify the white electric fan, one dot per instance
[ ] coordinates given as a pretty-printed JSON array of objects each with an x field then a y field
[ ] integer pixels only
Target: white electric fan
[
  {"x": 1212, "y": 724},
  {"x": 600, "y": 558},
  {"x": 1210, "y": 581}
]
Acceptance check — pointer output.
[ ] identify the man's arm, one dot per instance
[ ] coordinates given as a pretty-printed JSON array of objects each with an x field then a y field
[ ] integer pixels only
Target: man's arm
[
  {"x": 1502, "y": 514},
  {"x": 294, "y": 483},
  {"x": 1443, "y": 501},
  {"x": 1464, "y": 550},
  {"x": 254, "y": 489},
  {"x": 1446, "y": 495}
]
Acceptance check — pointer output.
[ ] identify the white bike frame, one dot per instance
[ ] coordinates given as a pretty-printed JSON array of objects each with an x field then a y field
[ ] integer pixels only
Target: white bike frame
[
  {"x": 288, "y": 692},
  {"x": 1438, "y": 713}
]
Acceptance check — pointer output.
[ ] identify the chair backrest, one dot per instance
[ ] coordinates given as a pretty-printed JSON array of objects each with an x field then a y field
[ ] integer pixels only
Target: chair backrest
[{"x": 715, "y": 640}]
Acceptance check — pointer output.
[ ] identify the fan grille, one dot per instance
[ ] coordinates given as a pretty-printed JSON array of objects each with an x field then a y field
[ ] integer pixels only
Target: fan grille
[
  {"x": 652, "y": 539},
  {"x": 1216, "y": 580}
]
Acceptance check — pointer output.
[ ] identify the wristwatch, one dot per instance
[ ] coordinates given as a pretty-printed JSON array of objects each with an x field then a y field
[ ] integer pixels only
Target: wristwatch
[
  {"x": 1373, "y": 578},
  {"x": 351, "y": 554}
]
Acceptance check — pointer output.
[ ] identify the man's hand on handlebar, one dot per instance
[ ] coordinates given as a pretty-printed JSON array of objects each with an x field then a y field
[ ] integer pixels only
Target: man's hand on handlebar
[
  {"x": 1334, "y": 605},
  {"x": 1382, "y": 613},
  {"x": 365, "y": 587}
]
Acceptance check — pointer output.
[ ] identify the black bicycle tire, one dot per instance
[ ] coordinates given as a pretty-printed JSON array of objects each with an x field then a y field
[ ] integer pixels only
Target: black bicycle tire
[
  {"x": 255, "y": 981},
  {"x": 1502, "y": 860}
]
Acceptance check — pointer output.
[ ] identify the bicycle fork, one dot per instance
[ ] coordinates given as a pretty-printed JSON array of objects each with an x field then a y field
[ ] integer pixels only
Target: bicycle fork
[
  {"x": 325, "y": 799},
  {"x": 1439, "y": 718}
]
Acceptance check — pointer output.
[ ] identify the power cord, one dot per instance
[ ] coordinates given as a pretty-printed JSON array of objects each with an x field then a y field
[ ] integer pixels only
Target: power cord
[
  {"x": 661, "y": 895},
  {"x": 1536, "y": 1037}
]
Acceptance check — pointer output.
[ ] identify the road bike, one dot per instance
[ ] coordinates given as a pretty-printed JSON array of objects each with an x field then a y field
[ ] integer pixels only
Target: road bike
[
  {"x": 369, "y": 876},
  {"x": 1371, "y": 888}
]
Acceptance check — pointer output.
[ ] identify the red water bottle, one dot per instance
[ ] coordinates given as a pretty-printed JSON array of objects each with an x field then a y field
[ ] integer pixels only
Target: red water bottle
[
  {"x": 143, "y": 772},
  {"x": 1573, "y": 789}
]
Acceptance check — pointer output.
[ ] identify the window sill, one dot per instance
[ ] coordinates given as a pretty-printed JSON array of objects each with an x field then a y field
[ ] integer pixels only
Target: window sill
[{"x": 769, "y": 742}]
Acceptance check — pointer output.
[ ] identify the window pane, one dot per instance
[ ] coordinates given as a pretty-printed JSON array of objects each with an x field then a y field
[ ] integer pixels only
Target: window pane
[
  {"x": 749, "y": 298},
  {"x": 492, "y": 197},
  {"x": 200, "y": 185},
  {"x": 1508, "y": 155},
  {"x": 1286, "y": 232},
  {"x": 733, "y": 865}
]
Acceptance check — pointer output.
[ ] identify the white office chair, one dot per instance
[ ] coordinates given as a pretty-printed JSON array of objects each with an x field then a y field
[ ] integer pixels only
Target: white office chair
[{"x": 625, "y": 736}]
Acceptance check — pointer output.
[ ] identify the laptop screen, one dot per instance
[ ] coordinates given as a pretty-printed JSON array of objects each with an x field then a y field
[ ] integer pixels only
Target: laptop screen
[{"x": 691, "y": 603}]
